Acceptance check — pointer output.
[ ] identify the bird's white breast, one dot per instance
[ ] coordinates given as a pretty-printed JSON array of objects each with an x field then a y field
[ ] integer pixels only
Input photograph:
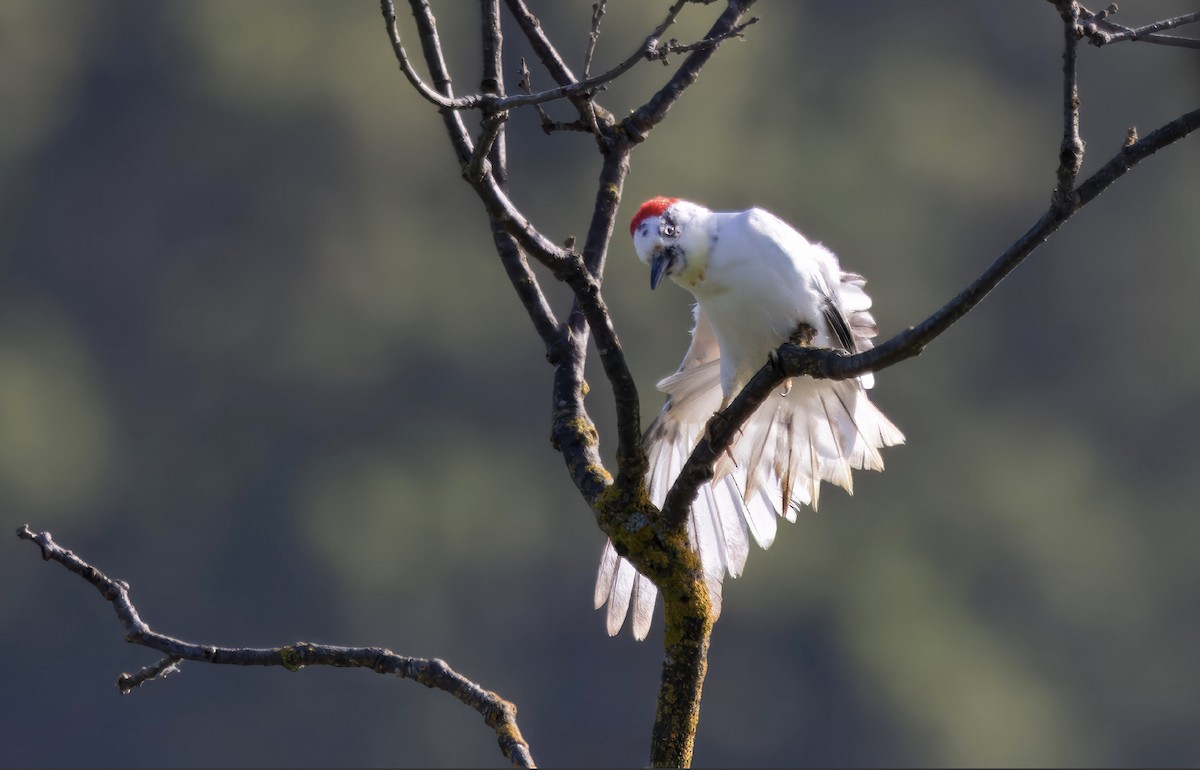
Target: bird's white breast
[{"x": 762, "y": 280}]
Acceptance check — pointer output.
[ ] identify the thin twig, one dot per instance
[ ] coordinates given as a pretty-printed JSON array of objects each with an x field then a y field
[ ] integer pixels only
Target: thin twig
[
  {"x": 493, "y": 103},
  {"x": 590, "y": 113},
  {"x": 499, "y": 206},
  {"x": 498, "y": 713},
  {"x": 549, "y": 125},
  {"x": 389, "y": 14},
  {"x": 528, "y": 291},
  {"x": 126, "y": 683},
  {"x": 673, "y": 46},
  {"x": 643, "y": 119},
  {"x": 1101, "y": 31},
  {"x": 562, "y": 74},
  {"x": 480, "y": 166},
  {"x": 631, "y": 454},
  {"x": 516, "y": 267},
  {"x": 492, "y": 84},
  {"x": 598, "y": 9},
  {"x": 649, "y": 50},
  {"x": 549, "y": 56},
  {"x": 1174, "y": 41},
  {"x": 1070, "y": 155}
]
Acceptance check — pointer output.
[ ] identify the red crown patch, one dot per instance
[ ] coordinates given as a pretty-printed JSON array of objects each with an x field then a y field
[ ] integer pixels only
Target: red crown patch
[{"x": 651, "y": 208}]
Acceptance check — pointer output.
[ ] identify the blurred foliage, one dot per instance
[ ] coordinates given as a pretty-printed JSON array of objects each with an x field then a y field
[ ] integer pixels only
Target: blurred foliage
[{"x": 258, "y": 359}]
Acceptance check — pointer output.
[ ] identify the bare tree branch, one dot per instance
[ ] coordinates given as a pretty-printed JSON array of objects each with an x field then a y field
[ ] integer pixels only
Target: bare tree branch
[
  {"x": 498, "y": 713},
  {"x": 495, "y": 200},
  {"x": 1070, "y": 158},
  {"x": 480, "y": 165},
  {"x": 549, "y": 56},
  {"x": 673, "y": 46},
  {"x": 126, "y": 683},
  {"x": 492, "y": 84},
  {"x": 648, "y": 50},
  {"x": 572, "y": 431},
  {"x": 566, "y": 266},
  {"x": 643, "y": 119},
  {"x": 430, "y": 95},
  {"x": 794, "y": 361},
  {"x": 590, "y": 113},
  {"x": 557, "y": 66},
  {"x": 1100, "y": 30},
  {"x": 631, "y": 456},
  {"x": 524, "y": 282},
  {"x": 598, "y": 9},
  {"x": 1171, "y": 40},
  {"x": 549, "y": 125},
  {"x": 569, "y": 87}
]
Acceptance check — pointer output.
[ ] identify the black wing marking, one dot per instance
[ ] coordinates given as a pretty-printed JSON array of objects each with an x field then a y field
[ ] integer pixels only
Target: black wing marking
[{"x": 837, "y": 322}]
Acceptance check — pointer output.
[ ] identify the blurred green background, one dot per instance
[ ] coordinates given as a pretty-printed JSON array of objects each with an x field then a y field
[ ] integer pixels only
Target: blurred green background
[{"x": 258, "y": 359}]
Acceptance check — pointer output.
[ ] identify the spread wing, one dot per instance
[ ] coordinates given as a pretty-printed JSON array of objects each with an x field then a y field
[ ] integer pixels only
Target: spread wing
[
  {"x": 693, "y": 395},
  {"x": 817, "y": 431}
]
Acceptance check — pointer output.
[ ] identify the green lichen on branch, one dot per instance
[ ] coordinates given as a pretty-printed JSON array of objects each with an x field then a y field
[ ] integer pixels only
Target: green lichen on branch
[
  {"x": 295, "y": 655},
  {"x": 688, "y": 629},
  {"x": 629, "y": 518},
  {"x": 576, "y": 437},
  {"x": 662, "y": 553},
  {"x": 583, "y": 429},
  {"x": 503, "y": 719}
]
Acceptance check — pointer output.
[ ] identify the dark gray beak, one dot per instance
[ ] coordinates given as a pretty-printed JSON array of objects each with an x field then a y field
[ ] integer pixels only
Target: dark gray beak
[{"x": 660, "y": 266}]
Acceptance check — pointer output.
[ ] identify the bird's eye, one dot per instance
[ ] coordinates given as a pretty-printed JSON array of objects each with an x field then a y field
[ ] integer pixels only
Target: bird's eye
[{"x": 669, "y": 230}]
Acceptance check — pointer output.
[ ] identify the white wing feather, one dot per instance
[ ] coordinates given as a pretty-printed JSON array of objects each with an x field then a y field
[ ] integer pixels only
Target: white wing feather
[{"x": 818, "y": 430}]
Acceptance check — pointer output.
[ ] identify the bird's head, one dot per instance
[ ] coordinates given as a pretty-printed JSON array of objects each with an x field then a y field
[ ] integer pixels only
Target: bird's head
[{"x": 671, "y": 237}]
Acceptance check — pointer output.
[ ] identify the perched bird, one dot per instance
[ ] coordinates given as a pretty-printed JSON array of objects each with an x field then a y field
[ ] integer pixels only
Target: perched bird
[{"x": 757, "y": 283}]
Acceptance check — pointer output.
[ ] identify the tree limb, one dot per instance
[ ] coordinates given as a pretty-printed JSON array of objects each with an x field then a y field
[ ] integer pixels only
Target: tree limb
[
  {"x": 498, "y": 713},
  {"x": 794, "y": 361},
  {"x": 1070, "y": 157},
  {"x": 557, "y": 66},
  {"x": 598, "y": 10},
  {"x": 652, "y": 112},
  {"x": 586, "y": 468},
  {"x": 1100, "y": 30}
]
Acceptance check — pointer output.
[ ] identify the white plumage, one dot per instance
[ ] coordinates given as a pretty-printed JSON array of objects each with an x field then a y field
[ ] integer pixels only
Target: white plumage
[{"x": 757, "y": 283}]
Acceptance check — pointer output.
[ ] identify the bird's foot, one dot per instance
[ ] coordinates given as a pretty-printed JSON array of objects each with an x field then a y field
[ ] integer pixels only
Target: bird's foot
[{"x": 803, "y": 335}]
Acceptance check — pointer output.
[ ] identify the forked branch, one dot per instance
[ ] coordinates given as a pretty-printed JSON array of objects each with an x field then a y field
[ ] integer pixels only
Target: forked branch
[{"x": 1100, "y": 30}]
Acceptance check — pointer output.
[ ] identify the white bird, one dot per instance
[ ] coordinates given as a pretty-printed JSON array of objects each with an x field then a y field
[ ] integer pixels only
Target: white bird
[{"x": 757, "y": 283}]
